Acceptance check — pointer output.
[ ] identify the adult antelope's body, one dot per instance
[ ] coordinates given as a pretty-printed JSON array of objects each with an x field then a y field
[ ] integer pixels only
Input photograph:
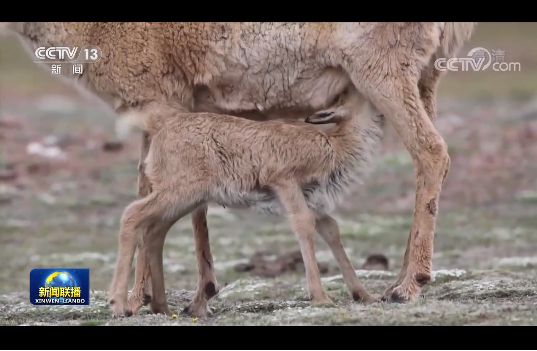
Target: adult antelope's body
[{"x": 272, "y": 68}]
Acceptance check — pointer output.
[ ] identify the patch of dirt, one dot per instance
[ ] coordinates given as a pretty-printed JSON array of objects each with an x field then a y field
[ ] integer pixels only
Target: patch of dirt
[{"x": 266, "y": 264}]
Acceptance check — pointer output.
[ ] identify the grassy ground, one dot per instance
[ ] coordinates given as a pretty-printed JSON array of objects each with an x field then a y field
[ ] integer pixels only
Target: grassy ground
[{"x": 65, "y": 213}]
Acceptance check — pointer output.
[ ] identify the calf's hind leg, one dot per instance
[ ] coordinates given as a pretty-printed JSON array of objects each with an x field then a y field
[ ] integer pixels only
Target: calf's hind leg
[
  {"x": 140, "y": 219},
  {"x": 207, "y": 284},
  {"x": 149, "y": 218},
  {"x": 142, "y": 290}
]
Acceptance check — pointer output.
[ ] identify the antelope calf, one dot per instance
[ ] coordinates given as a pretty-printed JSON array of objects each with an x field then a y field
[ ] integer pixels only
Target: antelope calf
[{"x": 297, "y": 169}]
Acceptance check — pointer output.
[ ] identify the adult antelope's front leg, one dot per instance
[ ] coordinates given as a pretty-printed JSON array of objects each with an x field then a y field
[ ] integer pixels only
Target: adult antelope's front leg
[
  {"x": 396, "y": 95},
  {"x": 427, "y": 85}
]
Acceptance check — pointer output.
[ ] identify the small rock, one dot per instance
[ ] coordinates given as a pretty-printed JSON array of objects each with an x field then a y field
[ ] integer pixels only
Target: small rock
[
  {"x": 34, "y": 148},
  {"x": 38, "y": 167},
  {"x": 8, "y": 174},
  {"x": 243, "y": 267},
  {"x": 527, "y": 196},
  {"x": 376, "y": 262},
  {"x": 54, "y": 152},
  {"x": 112, "y": 146},
  {"x": 323, "y": 267},
  {"x": 45, "y": 151}
]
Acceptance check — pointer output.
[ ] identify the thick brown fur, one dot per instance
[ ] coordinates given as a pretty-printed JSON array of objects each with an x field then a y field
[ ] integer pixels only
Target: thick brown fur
[
  {"x": 273, "y": 68},
  {"x": 279, "y": 167}
]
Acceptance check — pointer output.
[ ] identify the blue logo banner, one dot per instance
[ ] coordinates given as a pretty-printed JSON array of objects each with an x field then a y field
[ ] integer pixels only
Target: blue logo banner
[{"x": 59, "y": 286}]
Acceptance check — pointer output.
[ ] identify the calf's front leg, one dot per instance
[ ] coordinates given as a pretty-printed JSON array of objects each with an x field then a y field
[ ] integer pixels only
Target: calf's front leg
[
  {"x": 207, "y": 284},
  {"x": 303, "y": 223}
]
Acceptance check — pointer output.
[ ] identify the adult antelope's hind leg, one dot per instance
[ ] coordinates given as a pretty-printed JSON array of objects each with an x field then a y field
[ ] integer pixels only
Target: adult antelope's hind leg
[
  {"x": 207, "y": 284},
  {"x": 144, "y": 186},
  {"x": 303, "y": 223},
  {"x": 142, "y": 291},
  {"x": 427, "y": 85},
  {"x": 397, "y": 97},
  {"x": 328, "y": 229}
]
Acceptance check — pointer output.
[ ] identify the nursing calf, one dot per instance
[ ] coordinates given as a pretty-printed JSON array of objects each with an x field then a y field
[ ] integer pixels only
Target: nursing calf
[{"x": 297, "y": 169}]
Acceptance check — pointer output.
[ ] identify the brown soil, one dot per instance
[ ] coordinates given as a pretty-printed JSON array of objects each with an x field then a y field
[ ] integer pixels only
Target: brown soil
[{"x": 264, "y": 264}]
